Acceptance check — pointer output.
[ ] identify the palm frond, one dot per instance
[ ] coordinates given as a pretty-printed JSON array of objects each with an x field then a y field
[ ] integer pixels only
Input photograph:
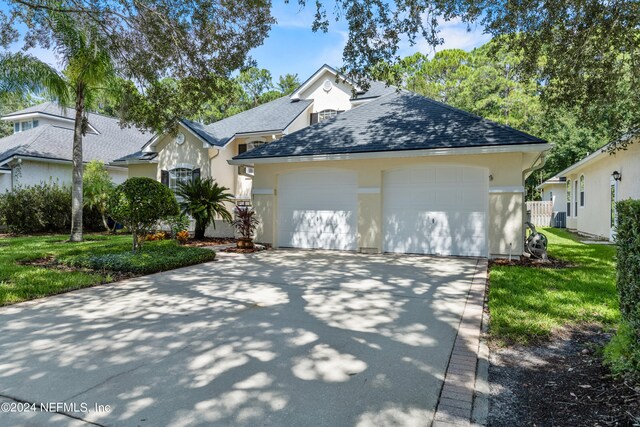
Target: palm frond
[{"x": 25, "y": 74}]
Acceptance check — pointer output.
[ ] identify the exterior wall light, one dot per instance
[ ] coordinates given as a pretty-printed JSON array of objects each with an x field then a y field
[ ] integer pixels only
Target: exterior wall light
[{"x": 617, "y": 176}]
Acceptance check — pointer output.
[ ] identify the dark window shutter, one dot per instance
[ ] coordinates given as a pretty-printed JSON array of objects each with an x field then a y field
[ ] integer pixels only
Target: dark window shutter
[
  {"x": 195, "y": 174},
  {"x": 242, "y": 148},
  {"x": 164, "y": 177},
  {"x": 314, "y": 118}
]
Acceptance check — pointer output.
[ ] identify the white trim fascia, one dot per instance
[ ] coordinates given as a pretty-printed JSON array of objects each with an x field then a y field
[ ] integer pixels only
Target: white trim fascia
[
  {"x": 135, "y": 162},
  {"x": 368, "y": 190},
  {"x": 5, "y": 171},
  {"x": 357, "y": 102},
  {"x": 506, "y": 189},
  {"x": 40, "y": 115},
  {"x": 295, "y": 96},
  {"x": 399, "y": 154},
  {"x": 263, "y": 191},
  {"x": 57, "y": 161}
]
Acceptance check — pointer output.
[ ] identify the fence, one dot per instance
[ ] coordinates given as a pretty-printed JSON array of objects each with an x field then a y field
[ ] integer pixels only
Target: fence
[{"x": 541, "y": 213}]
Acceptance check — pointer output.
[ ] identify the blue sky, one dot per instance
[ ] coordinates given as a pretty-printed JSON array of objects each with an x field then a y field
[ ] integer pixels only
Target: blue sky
[{"x": 292, "y": 47}]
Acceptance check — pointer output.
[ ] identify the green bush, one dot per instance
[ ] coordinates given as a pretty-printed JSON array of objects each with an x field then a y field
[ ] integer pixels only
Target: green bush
[
  {"x": 35, "y": 209},
  {"x": 139, "y": 203},
  {"x": 156, "y": 256},
  {"x": 626, "y": 345},
  {"x": 42, "y": 208}
]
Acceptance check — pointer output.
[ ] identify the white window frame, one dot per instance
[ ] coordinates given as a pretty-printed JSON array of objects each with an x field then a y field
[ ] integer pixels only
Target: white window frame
[
  {"x": 173, "y": 179},
  {"x": 327, "y": 114},
  {"x": 569, "y": 201}
]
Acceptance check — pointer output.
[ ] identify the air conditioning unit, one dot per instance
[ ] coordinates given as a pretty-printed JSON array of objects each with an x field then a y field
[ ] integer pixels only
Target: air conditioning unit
[{"x": 245, "y": 170}]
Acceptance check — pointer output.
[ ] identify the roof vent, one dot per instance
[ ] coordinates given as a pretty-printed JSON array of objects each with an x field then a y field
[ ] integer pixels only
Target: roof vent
[{"x": 327, "y": 85}]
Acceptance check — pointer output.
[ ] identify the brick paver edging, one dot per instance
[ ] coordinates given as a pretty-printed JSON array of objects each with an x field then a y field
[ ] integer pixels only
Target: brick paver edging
[{"x": 457, "y": 394}]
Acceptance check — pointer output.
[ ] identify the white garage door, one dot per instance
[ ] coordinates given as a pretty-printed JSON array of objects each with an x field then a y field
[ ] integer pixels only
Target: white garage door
[
  {"x": 318, "y": 209},
  {"x": 436, "y": 209}
]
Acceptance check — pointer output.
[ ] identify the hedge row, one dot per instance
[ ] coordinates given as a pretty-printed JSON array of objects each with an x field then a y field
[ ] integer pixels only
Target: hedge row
[
  {"x": 42, "y": 208},
  {"x": 623, "y": 353}
]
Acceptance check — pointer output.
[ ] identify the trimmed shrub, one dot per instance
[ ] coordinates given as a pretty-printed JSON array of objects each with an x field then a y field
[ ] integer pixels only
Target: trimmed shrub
[
  {"x": 139, "y": 203},
  {"x": 627, "y": 343},
  {"x": 157, "y": 256},
  {"x": 36, "y": 209},
  {"x": 42, "y": 208}
]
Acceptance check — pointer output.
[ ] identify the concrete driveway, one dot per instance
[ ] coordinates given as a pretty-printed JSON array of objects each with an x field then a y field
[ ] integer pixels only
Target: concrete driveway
[{"x": 281, "y": 338}]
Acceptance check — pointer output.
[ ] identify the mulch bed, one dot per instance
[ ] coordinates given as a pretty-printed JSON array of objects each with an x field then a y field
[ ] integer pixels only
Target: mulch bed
[
  {"x": 560, "y": 383},
  {"x": 210, "y": 241},
  {"x": 531, "y": 262}
]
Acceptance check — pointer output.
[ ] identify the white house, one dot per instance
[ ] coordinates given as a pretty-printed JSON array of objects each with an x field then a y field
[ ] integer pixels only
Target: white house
[
  {"x": 396, "y": 173},
  {"x": 588, "y": 189},
  {"x": 40, "y": 148}
]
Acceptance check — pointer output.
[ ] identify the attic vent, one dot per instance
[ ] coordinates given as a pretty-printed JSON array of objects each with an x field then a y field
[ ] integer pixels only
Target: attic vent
[{"x": 327, "y": 85}]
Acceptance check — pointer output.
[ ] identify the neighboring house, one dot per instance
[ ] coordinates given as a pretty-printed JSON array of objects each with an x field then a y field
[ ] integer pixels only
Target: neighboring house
[
  {"x": 40, "y": 148},
  {"x": 401, "y": 173},
  {"x": 204, "y": 150},
  {"x": 587, "y": 190}
]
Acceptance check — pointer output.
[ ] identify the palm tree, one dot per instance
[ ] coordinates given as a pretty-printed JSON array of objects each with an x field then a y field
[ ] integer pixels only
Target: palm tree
[
  {"x": 88, "y": 67},
  {"x": 204, "y": 200}
]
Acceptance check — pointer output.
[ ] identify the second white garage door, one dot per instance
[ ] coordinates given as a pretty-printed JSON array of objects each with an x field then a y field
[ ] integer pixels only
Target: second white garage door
[
  {"x": 317, "y": 209},
  {"x": 436, "y": 209}
]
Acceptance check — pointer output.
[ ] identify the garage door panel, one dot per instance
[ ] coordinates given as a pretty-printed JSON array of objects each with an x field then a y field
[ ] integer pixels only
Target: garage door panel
[
  {"x": 436, "y": 210},
  {"x": 317, "y": 210}
]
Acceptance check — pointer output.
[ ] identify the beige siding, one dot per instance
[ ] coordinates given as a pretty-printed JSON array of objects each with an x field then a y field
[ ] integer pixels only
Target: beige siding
[{"x": 505, "y": 207}]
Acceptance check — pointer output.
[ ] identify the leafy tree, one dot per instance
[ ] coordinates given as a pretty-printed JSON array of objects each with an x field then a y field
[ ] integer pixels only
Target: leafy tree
[
  {"x": 139, "y": 203},
  {"x": 587, "y": 52},
  {"x": 198, "y": 42},
  {"x": 97, "y": 188},
  {"x": 204, "y": 200},
  {"x": 255, "y": 82},
  {"x": 288, "y": 83},
  {"x": 88, "y": 67}
]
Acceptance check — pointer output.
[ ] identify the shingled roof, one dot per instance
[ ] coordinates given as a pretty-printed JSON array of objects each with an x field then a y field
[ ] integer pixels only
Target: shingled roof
[
  {"x": 49, "y": 141},
  {"x": 394, "y": 122},
  {"x": 274, "y": 116}
]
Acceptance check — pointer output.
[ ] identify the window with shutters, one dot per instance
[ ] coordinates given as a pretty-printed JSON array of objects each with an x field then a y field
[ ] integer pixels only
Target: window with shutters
[
  {"x": 178, "y": 175},
  {"x": 581, "y": 191}
]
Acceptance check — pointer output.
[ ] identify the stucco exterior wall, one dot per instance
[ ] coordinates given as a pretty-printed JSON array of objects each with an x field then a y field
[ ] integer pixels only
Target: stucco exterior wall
[
  {"x": 146, "y": 170},
  {"x": 338, "y": 98},
  {"x": 505, "y": 199},
  {"x": 595, "y": 216},
  {"x": 301, "y": 122}
]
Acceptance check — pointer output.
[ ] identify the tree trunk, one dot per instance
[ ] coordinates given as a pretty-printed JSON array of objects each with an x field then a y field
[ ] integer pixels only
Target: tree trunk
[
  {"x": 198, "y": 233},
  {"x": 105, "y": 222},
  {"x": 76, "y": 182},
  {"x": 135, "y": 239}
]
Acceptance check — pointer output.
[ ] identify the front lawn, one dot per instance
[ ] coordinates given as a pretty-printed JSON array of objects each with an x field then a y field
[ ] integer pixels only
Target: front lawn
[
  {"x": 99, "y": 259},
  {"x": 527, "y": 303}
]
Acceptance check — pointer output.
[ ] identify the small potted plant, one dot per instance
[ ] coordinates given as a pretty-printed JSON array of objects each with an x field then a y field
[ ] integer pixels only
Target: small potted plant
[{"x": 245, "y": 223}]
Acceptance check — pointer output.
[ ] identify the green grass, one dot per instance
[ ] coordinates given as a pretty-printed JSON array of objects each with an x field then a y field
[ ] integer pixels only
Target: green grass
[
  {"x": 98, "y": 257},
  {"x": 528, "y": 303}
]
